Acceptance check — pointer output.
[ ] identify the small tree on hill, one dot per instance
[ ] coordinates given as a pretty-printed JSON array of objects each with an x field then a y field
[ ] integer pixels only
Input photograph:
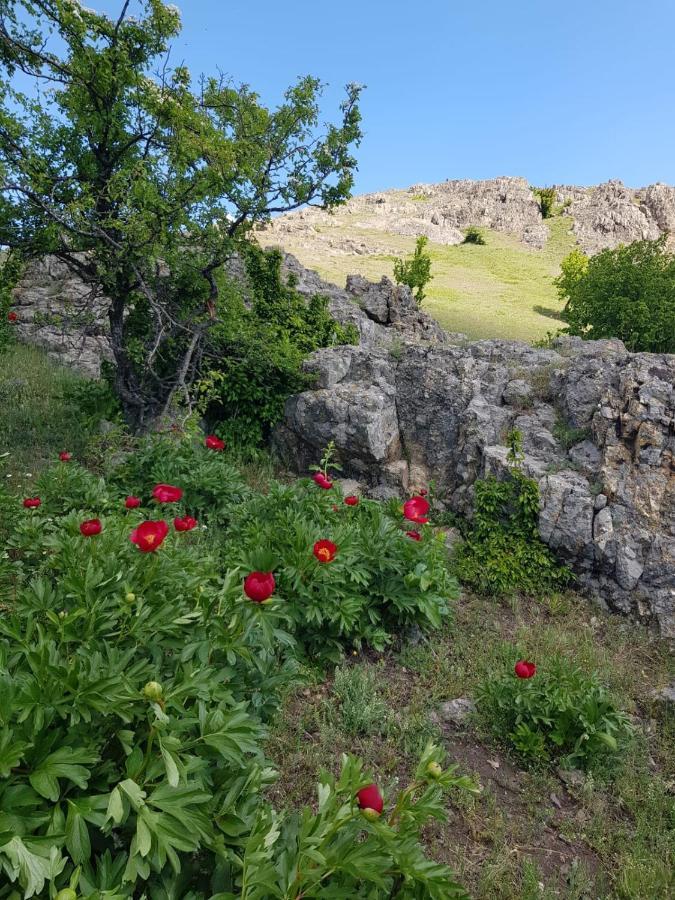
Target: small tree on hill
[
  {"x": 144, "y": 183},
  {"x": 416, "y": 271},
  {"x": 626, "y": 293},
  {"x": 546, "y": 198}
]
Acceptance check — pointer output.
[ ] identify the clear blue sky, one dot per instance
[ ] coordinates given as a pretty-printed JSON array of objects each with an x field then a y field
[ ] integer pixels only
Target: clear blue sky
[{"x": 559, "y": 91}]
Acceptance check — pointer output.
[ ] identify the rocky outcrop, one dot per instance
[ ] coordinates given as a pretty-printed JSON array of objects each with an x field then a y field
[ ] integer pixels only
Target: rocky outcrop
[{"x": 599, "y": 435}]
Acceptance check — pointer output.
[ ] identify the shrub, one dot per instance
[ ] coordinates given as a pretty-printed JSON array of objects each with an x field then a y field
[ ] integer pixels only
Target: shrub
[
  {"x": 11, "y": 269},
  {"x": 502, "y": 553},
  {"x": 473, "y": 235},
  {"x": 626, "y": 293},
  {"x": 134, "y": 688},
  {"x": 560, "y": 714},
  {"x": 255, "y": 353},
  {"x": 546, "y": 198},
  {"x": 379, "y": 581},
  {"x": 416, "y": 271}
]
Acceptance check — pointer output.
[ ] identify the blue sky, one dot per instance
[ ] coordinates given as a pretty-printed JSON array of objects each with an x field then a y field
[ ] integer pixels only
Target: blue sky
[{"x": 559, "y": 91}]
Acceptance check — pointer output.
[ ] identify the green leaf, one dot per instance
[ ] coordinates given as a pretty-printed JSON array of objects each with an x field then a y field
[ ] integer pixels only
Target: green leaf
[
  {"x": 63, "y": 763},
  {"x": 77, "y": 836}
]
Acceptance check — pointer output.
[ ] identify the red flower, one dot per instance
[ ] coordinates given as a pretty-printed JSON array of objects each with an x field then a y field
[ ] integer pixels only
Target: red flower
[
  {"x": 187, "y": 523},
  {"x": 214, "y": 443},
  {"x": 91, "y": 527},
  {"x": 167, "y": 493},
  {"x": 423, "y": 492},
  {"x": 64, "y": 456},
  {"x": 414, "y": 535},
  {"x": 132, "y": 502},
  {"x": 149, "y": 535},
  {"x": 322, "y": 481},
  {"x": 416, "y": 510},
  {"x": 352, "y": 500},
  {"x": 370, "y": 798},
  {"x": 32, "y": 502},
  {"x": 259, "y": 586},
  {"x": 12, "y": 316},
  {"x": 325, "y": 551},
  {"x": 524, "y": 669}
]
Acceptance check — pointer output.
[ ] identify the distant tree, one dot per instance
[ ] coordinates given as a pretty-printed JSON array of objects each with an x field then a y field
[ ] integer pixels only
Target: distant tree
[
  {"x": 473, "y": 235},
  {"x": 416, "y": 271},
  {"x": 546, "y": 198},
  {"x": 626, "y": 293},
  {"x": 144, "y": 183}
]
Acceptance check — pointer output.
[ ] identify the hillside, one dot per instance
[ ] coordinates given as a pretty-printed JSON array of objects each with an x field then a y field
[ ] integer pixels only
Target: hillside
[{"x": 503, "y": 289}]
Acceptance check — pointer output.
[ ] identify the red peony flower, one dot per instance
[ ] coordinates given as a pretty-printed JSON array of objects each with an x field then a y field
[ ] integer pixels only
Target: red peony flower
[
  {"x": 132, "y": 502},
  {"x": 64, "y": 456},
  {"x": 416, "y": 510},
  {"x": 414, "y": 535},
  {"x": 167, "y": 493},
  {"x": 259, "y": 586},
  {"x": 322, "y": 481},
  {"x": 524, "y": 669},
  {"x": 12, "y": 316},
  {"x": 32, "y": 502},
  {"x": 149, "y": 535},
  {"x": 214, "y": 443},
  {"x": 91, "y": 527},
  {"x": 370, "y": 798},
  {"x": 187, "y": 523},
  {"x": 325, "y": 551},
  {"x": 352, "y": 500}
]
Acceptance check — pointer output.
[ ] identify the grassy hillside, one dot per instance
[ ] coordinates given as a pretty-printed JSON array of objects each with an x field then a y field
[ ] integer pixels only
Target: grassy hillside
[{"x": 502, "y": 289}]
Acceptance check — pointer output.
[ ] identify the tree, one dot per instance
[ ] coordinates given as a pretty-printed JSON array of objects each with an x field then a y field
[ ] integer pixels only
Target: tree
[
  {"x": 144, "y": 183},
  {"x": 416, "y": 271},
  {"x": 626, "y": 293},
  {"x": 546, "y": 198}
]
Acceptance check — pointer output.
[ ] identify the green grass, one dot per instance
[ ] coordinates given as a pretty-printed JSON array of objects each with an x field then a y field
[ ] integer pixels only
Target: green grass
[
  {"x": 502, "y": 289},
  {"x": 38, "y": 420}
]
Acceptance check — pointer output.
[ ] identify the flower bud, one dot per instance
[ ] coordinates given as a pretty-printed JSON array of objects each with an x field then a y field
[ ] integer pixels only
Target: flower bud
[
  {"x": 372, "y": 815},
  {"x": 130, "y": 597},
  {"x": 153, "y": 691},
  {"x": 434, "y": 770},
  {"x": 66, "y": 894}
]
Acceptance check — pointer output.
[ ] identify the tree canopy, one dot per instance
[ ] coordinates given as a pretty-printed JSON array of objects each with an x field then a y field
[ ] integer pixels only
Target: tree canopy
[{"x": 143, "y": 180}]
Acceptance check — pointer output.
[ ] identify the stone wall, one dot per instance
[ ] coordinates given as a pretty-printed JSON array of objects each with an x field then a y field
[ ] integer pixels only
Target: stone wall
[{"x": 599, "y": 434}]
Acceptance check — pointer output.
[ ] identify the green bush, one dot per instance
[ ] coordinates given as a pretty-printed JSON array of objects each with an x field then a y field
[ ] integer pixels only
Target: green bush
[
  {"x": 11, "y": 269},
  {"x": 546, "y": 197},
  {"x": 473, "y": 235},
  {"x": 416, "y": 271},
  {"x": 255, "y": 353},
  {"x": 502, "y": 553},
  {"x": 134, "y": 688},
  {"x": 379, "y": 582},
  {"x": 626, "y": 293},
  {"x": 559, "y": 714}
]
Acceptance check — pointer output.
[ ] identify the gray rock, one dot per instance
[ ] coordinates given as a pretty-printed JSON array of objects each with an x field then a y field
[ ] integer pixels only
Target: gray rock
[{"x": 456, "y": 712}]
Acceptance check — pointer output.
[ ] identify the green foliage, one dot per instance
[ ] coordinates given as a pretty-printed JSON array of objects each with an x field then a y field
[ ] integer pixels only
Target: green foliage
[
  {"x": 379, "y": 582},
  {"x": 502, "y": 553},
  {"x": 546, "y": 198},
  {"x": 473, "y": 235},
  {"x": 253, "y": 357},
  {"x": 359, "y": 709},
  {"x": 145, "y": 182},
  {"x": 626, "y": 293},
  {"x": 134, "y": 689},
  {"x": 11, "y": 269},
  {"x": 567, "y": 436},
  {"x": 560, "y": 714},
  {"x": 416, "y": 271}
]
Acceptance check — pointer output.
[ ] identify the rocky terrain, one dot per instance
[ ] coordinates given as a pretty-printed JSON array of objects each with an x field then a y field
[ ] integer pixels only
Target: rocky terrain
[{"x": 600, "y": 217}]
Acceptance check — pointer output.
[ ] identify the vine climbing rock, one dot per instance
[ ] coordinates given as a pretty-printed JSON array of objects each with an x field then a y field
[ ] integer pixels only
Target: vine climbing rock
[{"x": 598, "y": 426}]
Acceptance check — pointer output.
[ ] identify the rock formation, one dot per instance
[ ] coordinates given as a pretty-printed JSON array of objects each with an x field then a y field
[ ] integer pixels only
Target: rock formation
[{"x": 599, "y": 433}]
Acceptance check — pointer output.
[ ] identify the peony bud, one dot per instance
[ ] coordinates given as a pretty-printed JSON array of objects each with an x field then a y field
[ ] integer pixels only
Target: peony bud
[
  {"x": 372, "y": 815},
  {"x": 434, "y": 770},
  {"x": 130, "y": 597},
  {"x": 66, "y": 894},
  {"x": 153, "y": 691}
]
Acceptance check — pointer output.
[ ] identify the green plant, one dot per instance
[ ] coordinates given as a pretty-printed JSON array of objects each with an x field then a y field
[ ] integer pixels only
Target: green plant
[
  {"x": 416, "y": 271},
  {"x": 175, "y": 175},
  {"x": 567, "y": 435},
  {"x": 502, "y": 553},
  {"x": 360, "y": 710},
  {"x": 11, "y": 269},
  {"x": 626, "y": 293},
  {"x": 561, "y": 713},
  {"x": 379, "y": 581},
  {"x": 546, "y": 198},
  {"x": 473, "y": 235}
]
